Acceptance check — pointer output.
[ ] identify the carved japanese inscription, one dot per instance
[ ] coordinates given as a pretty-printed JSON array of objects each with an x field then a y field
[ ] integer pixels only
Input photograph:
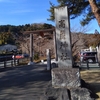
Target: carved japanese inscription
[
  {"x": 63, "y": 37},
  {"x": 62, "y": 34},
  {"x": 62, "y": 24}
]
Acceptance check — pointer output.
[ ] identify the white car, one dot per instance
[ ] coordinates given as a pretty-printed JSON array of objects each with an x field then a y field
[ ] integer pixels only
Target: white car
[{"x": 88, "y": 56}]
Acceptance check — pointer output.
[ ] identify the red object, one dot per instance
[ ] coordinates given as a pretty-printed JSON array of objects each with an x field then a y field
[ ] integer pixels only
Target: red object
[
  {"x": 18, "y": 56},
  {"x": 41, "y": 34}
]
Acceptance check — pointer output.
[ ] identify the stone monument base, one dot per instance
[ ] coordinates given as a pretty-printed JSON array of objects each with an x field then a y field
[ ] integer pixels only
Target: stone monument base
[
  {"x": 66, "y": 84},
  {"x": 66, "y": 77},
  {"x": 78, "y": 93}
]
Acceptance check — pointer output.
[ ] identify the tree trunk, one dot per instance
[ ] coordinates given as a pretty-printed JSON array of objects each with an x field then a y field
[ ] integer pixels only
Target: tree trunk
[{"x": 95, "y": 10}]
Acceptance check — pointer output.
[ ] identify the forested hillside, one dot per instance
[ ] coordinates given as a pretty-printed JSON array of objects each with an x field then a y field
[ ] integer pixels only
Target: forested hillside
[
  {"x": 79, "y": 41},
  {"x": 8, "y": 33}
]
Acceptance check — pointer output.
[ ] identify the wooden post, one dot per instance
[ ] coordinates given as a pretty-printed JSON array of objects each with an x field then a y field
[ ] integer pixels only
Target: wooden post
[
  {"x": 48, "y": 60},
  {"x": 87, "y": 64},
  {"x": 96, "y": 58},
  {"x": 14, "y": 61},
  {"x": 11, "y": 63},
  {"x": 17, "y": 61},
  {"x": 4, "y": 64}
]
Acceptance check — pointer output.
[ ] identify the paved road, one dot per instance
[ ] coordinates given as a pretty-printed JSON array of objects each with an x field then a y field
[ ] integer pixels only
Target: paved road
[{"x": 24, "y": 82}]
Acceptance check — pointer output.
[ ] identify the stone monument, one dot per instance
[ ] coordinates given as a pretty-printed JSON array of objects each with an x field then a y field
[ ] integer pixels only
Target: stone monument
[
  {"x": 65, "y": 75},
  {"x": 66, "y": 82},
  {"x": 31, "y": 50},
  {"x": 48, "y": 59},
  {"x": 63, "y": 37}
]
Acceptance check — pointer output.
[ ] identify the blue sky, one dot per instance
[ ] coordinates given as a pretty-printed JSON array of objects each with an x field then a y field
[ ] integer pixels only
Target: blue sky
[{"x": 21, "y": 12}]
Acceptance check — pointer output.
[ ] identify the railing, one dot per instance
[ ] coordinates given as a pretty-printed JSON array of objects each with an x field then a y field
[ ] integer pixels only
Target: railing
[
  {"x": 88, "y": 65},
  {"x": 12, "y": 63},
  {"x": 9, "y": 63}
]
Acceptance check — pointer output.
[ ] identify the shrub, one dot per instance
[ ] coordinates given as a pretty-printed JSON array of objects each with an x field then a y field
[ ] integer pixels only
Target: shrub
[{"x": 36, "y": 56}]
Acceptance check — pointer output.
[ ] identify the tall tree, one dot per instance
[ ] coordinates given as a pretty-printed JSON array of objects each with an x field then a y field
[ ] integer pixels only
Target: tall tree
[
  {"x": 90, "y": 9},
  {"x": 95, "y": 9}
]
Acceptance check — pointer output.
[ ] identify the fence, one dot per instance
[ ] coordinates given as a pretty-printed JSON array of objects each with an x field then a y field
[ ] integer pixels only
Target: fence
[
  {"x": 12, "y": 63},
  {"x": 88, "y": 65}
]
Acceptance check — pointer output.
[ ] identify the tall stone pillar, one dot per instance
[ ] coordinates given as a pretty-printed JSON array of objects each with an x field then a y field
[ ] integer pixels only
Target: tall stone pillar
[
  {"x": 65, "y": 75},
  {"x": 66, "y": 84},
  {"x": 63, "y": 37},
  {"x": 55, "y": 45},
  {"x": 31, "y": 50},
  {"x": 48, "y": 59}
]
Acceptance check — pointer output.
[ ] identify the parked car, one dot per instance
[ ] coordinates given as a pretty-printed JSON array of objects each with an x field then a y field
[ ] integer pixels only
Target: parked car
[
  {"x": 19, "y": 56},
  {"x": 25, "y": 55},
  {"x": 88, "y": 56}
]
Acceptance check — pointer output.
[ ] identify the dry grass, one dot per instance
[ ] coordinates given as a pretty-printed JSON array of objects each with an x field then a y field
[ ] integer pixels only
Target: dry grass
[{"x": 93, "y": 78}]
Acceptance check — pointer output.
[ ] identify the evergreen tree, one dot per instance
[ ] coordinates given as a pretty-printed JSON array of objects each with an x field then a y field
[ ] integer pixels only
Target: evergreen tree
[{"x": 90, "y": 9}]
